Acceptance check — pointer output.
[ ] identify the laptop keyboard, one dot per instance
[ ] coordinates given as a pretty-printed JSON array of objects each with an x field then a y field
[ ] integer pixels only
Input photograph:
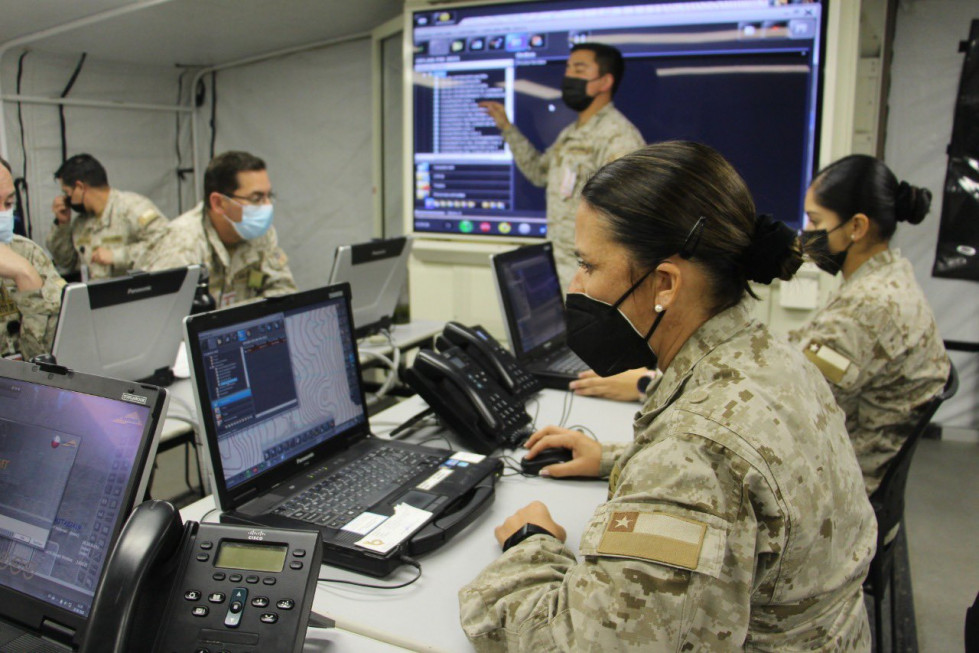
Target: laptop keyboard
[
  {"x": 567, "y": 362},
  {"x": 354, "y": 488}
]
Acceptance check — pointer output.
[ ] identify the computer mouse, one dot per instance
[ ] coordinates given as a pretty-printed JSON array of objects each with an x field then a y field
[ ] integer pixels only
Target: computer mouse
[{"x": 544, "y": 458}]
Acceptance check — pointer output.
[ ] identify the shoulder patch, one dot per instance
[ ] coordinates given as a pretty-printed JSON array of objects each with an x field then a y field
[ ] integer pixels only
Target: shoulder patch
[
  {"x": 148, "y": 217},
  {"x": 654, "y": 536},
  {"x": 831, "y": 363}
]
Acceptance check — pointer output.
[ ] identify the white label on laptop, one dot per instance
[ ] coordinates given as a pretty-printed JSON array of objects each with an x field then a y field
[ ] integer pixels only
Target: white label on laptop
[
  {"x": 465, "y": 456},
  {"x": 397, "y": 528},
  {"x": 363, "y": 523},
  {"x": 434, "y": 479}
]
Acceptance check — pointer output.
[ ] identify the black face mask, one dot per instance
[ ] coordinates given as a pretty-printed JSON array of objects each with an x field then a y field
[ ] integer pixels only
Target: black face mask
[
  {"x": 604, "y": 338},
  {"x": 815, "y": 244},
  {"x": 77, "y": 208},
  {"x": 574, "y": 93}
]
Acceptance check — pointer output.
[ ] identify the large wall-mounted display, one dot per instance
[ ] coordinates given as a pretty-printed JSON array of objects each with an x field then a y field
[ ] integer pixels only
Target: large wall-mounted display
[{"x": 740, "y": 75}]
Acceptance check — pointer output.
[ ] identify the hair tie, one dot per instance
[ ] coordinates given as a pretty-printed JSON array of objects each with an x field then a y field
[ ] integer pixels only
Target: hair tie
[
  {"x": 770, "y": 242},
  {"x": 904, "y": 201}
]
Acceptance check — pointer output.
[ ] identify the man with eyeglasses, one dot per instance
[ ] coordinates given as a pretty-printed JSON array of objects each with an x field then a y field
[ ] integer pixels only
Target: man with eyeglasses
[
  {"x": 30, "y": 286},
  {"x": 230, "y": 233},
  {"x": 112, "y": 229}
]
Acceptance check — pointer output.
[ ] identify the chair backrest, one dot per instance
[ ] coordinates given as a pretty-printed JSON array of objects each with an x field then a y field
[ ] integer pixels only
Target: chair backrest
[{"x": 888, "y": 498}]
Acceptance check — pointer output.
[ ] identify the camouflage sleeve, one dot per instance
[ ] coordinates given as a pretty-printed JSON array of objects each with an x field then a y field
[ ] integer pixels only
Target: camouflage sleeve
[
  {"x": 59, "y": 242},
  {"x": 275, "y": 268},
  {"x": 620, "y": 144},
  {"x": 848, "y": 343},
  {"x": 171, "y": 249},
  {"x": 656, "y": 570},
  {"x": 147, "y": 226},
  {"x": 610, "y": 452},
  {"x": 530, "y": 161},
  {"x": 39, "y": 308}
]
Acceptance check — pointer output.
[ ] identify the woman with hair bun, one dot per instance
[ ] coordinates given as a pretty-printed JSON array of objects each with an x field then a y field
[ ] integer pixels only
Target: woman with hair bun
[
  {"x": 876, "y": 340},
  {"x": 736, "y": 517}
]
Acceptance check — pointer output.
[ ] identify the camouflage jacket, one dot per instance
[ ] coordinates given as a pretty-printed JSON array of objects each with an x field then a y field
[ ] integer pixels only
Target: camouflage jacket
[
  {"x": 565, "y": 166},
  {"x": 736, "y": 520},
  {"x": 238, "y": 273},
  {"x": 128, "y": 222},
  {"x": 877, "y": 343},
  {"x": 30, "y": 318}
]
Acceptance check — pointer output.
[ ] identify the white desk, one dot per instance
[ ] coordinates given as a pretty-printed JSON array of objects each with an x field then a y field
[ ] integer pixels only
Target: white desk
[{"x": 425, "y": 616}]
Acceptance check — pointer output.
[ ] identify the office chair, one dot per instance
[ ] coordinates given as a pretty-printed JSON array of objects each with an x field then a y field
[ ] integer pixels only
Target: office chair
[
  {"x": 972, "y": 628},
  {"x": 888, "y": 503}
]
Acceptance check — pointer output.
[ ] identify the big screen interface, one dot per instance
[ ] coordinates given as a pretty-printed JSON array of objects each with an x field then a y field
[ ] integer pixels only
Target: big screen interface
[
  {"x": 280, "y": 385},
  {"x": 741, "y": 76},
  {"x": 65, "y": 461}
]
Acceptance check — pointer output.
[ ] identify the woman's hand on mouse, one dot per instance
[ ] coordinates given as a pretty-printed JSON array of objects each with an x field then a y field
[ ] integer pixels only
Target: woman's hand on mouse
[{"x": 587, "y": 452}]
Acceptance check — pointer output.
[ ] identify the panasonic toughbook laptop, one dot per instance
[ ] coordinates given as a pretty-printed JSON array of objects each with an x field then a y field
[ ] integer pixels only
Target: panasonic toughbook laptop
[
  {"x": 279, "y": 394},
  {"x": 76, "y": 453},
  {"x": 128, "y": 327},
  {"x": 533, "y": 312},
  {"x": 377, "y": 272}
]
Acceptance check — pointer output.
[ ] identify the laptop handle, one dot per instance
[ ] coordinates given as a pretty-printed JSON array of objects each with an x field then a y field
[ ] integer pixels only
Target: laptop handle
[{"x": 437, "y": 533}]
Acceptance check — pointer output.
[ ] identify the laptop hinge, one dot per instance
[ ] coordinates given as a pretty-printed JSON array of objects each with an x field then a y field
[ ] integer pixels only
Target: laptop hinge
[{"x": 58, "y": 632}]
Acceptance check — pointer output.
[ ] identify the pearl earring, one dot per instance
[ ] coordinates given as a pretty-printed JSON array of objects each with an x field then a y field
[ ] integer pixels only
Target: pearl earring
[{"x": 658, "y": 308}]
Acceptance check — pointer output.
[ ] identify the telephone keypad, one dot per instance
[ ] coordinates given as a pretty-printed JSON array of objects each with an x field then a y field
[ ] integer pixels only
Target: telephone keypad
[
  {"x": 285, "y": 604},
  {"x": 269, "y": 618},
  {"x": 216, "y": 597},
  {"x": 200, "y": 611},
  {"x": 192, "y": 595},
  {"x": 260, "y": 602}
]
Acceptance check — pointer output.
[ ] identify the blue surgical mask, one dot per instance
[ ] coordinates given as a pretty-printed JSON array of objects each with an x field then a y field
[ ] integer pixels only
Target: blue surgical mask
[
  {"x": 255, "y": 221},
  {"x": 6, "y": 226}
]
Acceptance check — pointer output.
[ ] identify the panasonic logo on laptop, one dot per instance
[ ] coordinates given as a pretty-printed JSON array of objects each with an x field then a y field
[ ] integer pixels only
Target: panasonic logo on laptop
[
  {"x": 304, "y": 459},
  {"x": 136, "y": 399},
  {"x": 379, "y": 252},
  {"x": 136, "y": 291}
]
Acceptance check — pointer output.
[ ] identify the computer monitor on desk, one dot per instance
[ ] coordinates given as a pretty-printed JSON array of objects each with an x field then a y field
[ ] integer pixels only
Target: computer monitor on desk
[
  {"x": 376, "y": 271},
  {"x": 127, "y": 328}
]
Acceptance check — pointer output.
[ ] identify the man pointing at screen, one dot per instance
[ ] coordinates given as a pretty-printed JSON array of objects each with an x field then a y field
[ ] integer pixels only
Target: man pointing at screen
[{"x": 599, "y": 135}]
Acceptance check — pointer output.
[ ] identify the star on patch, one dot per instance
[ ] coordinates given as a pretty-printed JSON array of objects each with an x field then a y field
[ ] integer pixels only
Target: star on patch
[{"x": 622, "y": 522}]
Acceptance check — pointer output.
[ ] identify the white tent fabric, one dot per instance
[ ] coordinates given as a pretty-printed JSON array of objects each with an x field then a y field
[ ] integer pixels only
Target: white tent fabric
[
  {"x": 924, "y": 83},
  {"x": 137, "y": 148},
  {"x": 308, "y": 116}
]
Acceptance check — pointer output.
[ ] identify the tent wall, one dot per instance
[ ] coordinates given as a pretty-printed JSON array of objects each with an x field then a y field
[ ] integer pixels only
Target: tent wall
[
  {"x": 309, "y": 116},
  {"x": 137, "y": 147},
  {"x": 924, "y": 83}
]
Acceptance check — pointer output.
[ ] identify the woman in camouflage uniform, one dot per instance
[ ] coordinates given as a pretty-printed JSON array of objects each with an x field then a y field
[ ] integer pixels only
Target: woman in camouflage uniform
[
  {"x": 736, "y": 518},
  {"x": 876, "y": 340}
]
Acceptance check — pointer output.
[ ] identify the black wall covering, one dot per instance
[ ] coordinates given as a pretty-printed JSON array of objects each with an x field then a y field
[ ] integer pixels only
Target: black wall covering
[{"x": 957, "y": 254}]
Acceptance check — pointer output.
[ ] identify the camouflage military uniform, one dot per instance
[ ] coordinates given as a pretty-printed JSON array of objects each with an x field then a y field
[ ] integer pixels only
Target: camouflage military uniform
[
  {"x": 128, "y": 222},
  {"x": 877, "y": 343},
  {"x": 575, "y": 156},
  {"x": 238, "y": 273},
  {"x": 32, "y": 316},
  {"x": 736, "y": 520}
]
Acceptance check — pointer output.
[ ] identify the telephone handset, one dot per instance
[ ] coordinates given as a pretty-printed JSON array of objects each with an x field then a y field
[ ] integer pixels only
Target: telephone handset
[
  {"x": 470, "y": 403},
  {"x": 172, "y": 586},
  {"x": 492, "y": 357}
]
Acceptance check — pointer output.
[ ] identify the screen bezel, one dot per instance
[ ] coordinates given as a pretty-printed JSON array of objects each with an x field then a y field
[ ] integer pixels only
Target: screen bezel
[
  {"x": 414, "y": 6},
  {"x": 31, "y": 611},
  {"x": 232, "y": 498}
]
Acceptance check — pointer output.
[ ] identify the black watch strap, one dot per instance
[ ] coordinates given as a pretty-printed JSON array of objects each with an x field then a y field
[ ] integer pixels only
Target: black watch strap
[{"x": 525, "y": 531}]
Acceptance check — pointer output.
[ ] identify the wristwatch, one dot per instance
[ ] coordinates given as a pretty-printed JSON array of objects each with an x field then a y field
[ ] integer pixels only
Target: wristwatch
[{"x": 525, "y": 531}]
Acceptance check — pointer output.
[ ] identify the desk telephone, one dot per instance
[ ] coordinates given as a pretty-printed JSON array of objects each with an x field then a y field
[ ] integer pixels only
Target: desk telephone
[
  {"x": 474, "y": 401},
  {"x": 169, "y": 586}
]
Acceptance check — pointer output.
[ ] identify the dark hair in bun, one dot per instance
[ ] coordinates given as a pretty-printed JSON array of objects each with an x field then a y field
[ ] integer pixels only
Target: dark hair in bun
[
  {"x": 862, "y": 184},
  {"x": 684, "y": 198}
]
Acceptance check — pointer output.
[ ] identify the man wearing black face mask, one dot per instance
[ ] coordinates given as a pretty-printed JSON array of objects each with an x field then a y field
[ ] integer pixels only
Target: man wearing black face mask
[{"x": 600, "y": 134}]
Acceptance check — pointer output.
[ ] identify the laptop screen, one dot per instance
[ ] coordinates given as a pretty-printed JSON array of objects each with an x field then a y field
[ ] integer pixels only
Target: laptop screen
[
  {"x": 279, "y": 383},
  {"x": 66, "y": 464},
  {"x": 377, "y": 272},
  {"x": 531, "y": 296}
]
